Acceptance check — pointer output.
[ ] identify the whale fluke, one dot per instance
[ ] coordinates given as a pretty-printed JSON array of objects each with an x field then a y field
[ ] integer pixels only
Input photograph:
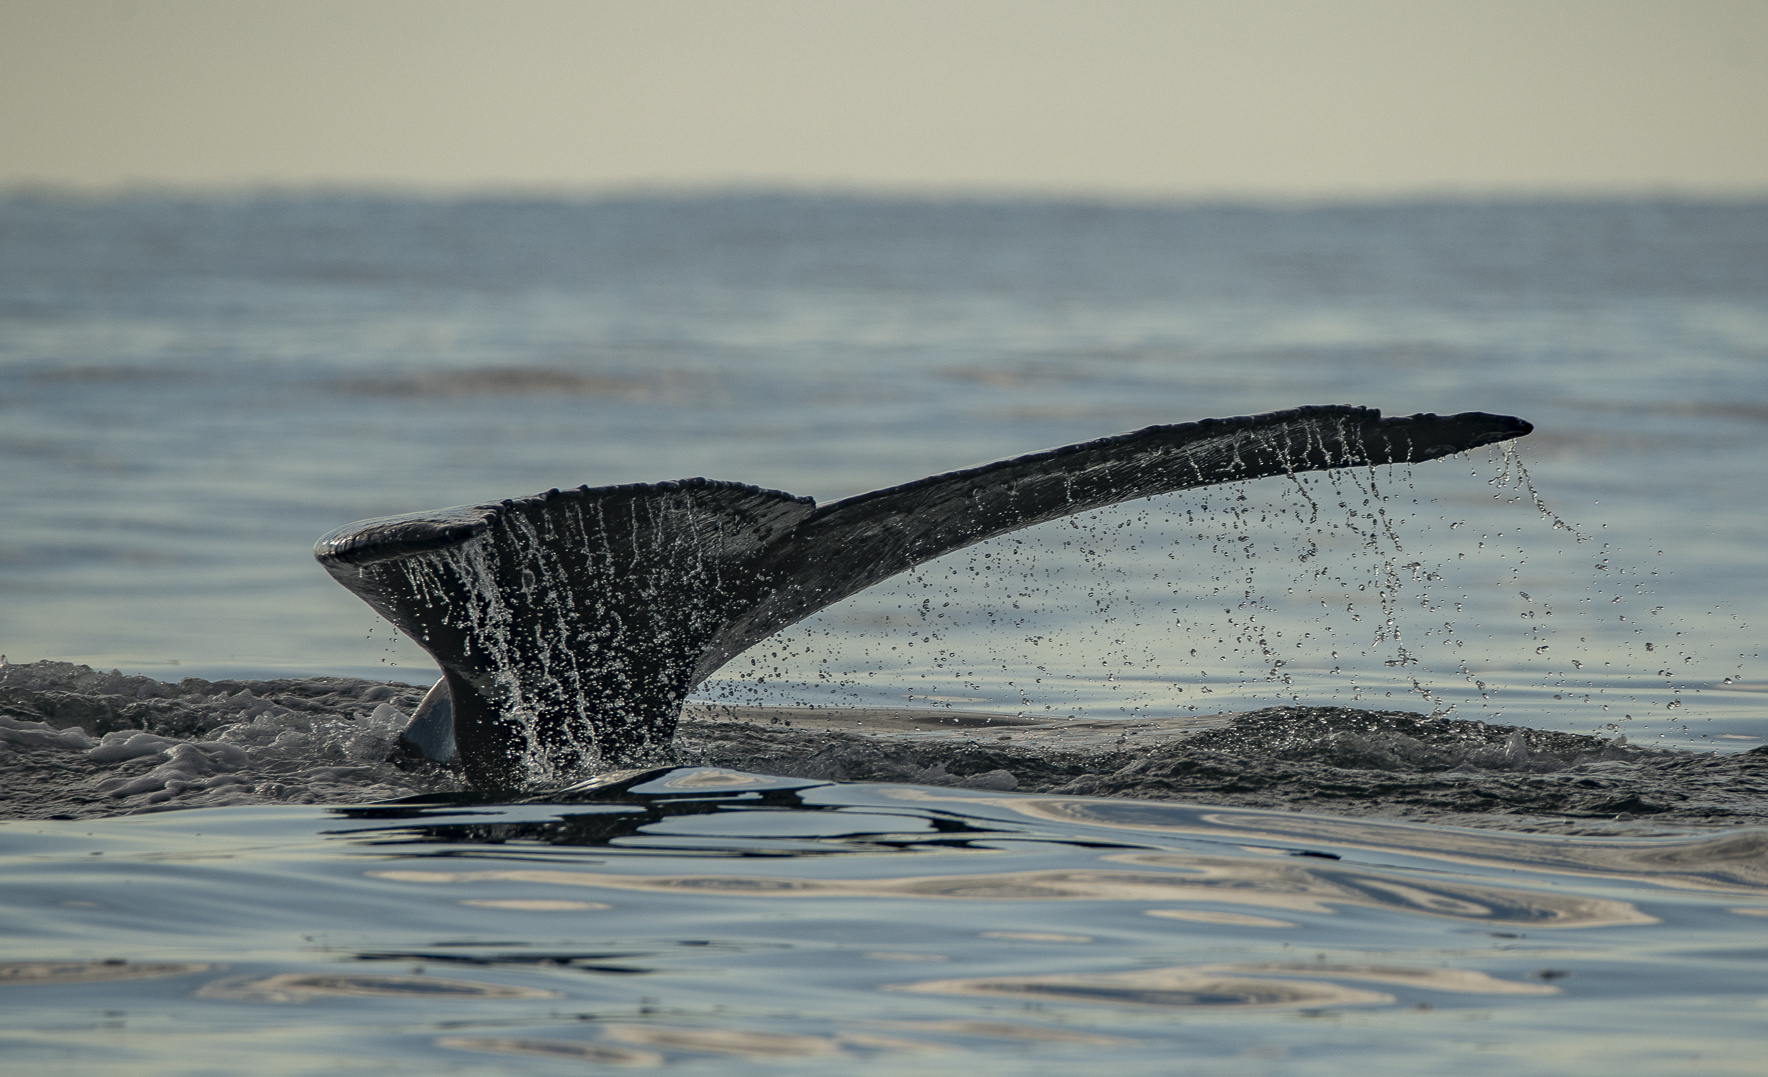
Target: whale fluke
[{"x": 570, "y": 626}]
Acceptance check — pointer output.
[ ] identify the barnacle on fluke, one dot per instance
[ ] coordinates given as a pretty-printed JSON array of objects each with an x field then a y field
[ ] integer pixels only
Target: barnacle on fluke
[{"x": 571, "y": 625}]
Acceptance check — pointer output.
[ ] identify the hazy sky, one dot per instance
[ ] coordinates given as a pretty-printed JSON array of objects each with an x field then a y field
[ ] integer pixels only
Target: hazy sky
[{"x": 1236, "y": 97}]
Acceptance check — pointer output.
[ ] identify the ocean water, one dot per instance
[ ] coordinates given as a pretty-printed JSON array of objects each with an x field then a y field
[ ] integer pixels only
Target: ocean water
[
  {"x": 193, "y": 390},
  {"x": 714, "y": 922}
]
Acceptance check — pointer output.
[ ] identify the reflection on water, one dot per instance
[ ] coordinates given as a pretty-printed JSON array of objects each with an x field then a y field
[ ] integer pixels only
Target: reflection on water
[
  {"x": 1233, "y": 880},
  {"x": 535, "y": 904},
  {"x": 1234, "y": 985},
  {"x": 724, "y": 1041},
  {"x": 1206, "y": 916},
  {"x": 1002, "y": 1030},
  {"x": 38, "y": 973},
  {"x": 1733, "y": 861},
  {"x": 953, "y": 932},
  {"x": 1464, "y": 981},
  {"x": 298, "y": 987},
  {"x": 1160, "y": 987},
  {"x": 567, "y": 1050}
]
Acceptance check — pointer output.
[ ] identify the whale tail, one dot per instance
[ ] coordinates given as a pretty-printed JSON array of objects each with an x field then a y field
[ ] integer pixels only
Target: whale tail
[{"x": 570, "y": 626}]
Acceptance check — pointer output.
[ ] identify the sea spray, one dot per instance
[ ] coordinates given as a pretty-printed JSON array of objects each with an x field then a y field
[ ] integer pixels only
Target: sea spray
[{"x": 1354, "y": 586}]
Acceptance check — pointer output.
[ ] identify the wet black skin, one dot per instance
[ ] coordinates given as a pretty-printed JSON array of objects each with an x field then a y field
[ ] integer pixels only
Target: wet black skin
[{"x": 613, "y": 603}]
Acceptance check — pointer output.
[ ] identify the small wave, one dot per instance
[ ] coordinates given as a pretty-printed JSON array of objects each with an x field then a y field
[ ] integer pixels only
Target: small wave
[{"x": 75, "y": 743}]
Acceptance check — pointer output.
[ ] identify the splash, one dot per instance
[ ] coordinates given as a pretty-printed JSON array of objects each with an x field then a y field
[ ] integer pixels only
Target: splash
[
  {"x": 579, "y": 621},
  {"x": 1351, "y": 586}
]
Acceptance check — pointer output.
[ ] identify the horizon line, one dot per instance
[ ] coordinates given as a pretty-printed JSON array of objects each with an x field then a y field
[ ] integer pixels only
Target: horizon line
[{"x": 658, "y": 190}]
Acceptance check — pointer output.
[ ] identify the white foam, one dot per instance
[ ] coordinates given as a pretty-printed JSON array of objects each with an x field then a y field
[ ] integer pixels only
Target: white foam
[
  {"x": 18, "y": 733},
  {"x": 301, "y": 749}
]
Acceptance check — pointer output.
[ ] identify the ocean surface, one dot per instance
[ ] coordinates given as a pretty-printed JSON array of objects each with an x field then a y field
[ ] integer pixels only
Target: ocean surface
[{"x": 193, "y": 390}]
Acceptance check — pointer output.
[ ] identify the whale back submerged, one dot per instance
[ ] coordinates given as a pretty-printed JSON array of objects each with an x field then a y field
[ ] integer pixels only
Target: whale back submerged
[{"x": 570, "y": 626}]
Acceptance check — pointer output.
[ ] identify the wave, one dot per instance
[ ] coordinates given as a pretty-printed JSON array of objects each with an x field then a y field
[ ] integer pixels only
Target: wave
[{"x": 80, "y": 743}]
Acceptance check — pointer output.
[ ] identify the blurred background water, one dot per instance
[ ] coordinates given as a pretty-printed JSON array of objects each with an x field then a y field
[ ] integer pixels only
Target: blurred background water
[{"x": 193, "y": 389}]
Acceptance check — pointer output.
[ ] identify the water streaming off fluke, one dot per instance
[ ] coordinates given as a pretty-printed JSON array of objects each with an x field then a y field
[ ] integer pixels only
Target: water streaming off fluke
[{"x": 571, "y": 626}]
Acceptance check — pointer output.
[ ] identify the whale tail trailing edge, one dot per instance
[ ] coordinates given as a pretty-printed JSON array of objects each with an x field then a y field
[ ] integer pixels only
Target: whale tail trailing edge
[{"x": 570, "y": 626}]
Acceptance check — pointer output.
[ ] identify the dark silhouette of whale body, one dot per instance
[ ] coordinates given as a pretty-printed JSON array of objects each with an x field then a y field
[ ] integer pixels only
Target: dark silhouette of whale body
[{"x": 570, "y": 626}]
